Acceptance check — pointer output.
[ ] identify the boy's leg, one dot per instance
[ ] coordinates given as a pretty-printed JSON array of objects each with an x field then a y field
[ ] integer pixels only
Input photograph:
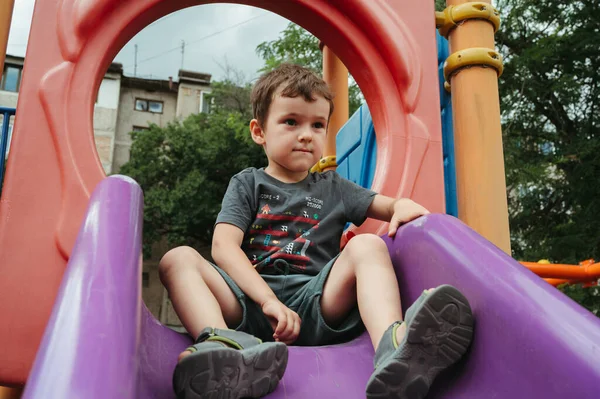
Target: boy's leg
[
  {"x": 439, "y": 323},
  {"x": 222, "y": 363},
  {"x": 364, "y": 274},
  {"x": 200, "y": 296}
]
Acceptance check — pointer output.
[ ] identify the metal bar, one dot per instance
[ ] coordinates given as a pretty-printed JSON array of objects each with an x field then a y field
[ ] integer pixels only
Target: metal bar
[{"x": 571, "y": 272}]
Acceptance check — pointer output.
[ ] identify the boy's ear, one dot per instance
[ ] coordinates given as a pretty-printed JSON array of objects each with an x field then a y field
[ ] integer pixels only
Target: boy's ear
[{"x": 258, "y": 135}]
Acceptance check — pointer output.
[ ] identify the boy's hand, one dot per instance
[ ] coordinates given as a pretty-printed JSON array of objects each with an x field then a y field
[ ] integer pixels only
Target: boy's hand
[
  {"x": 285, "y": 322},
  {"x": 405, "y": 210}
]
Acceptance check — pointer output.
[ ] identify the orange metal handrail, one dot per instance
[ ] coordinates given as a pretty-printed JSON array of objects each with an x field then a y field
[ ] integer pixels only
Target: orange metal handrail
[{"x": 557, "y": 274}]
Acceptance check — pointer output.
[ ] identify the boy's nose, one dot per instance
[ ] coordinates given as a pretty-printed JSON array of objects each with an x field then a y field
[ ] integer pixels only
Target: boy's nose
[{"x": 306, "y": 135}]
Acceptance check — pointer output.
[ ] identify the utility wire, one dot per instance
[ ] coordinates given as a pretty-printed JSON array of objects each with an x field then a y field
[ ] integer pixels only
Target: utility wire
[{"x": 199, "y": 40}]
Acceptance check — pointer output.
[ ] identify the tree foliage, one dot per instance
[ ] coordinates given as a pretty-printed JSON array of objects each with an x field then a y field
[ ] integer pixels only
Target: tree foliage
[
  {"x": 295, "y": 45},
  {"x": 550, "y": 98},
  {"x": 184, "y": 168},
  {"x": 298, "y": 46}
]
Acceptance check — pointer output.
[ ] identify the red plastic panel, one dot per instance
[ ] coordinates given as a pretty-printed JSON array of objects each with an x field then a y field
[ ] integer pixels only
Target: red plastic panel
[{"x": 388, "y": 45}]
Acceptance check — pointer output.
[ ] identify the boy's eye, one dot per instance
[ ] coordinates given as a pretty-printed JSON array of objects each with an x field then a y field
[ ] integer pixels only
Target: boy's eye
[
  {"x": 319, "y": 125},
  {"x": 290, "y": 122}
]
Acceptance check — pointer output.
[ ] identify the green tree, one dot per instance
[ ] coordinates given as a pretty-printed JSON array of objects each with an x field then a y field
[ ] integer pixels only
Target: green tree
[
  {"x": 298, "y": 46},
  {"x": 184, "y": 168},
  {"x": 549, "y": 98}
]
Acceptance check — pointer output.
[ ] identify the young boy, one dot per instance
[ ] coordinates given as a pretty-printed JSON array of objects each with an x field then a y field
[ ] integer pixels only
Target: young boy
[{"x": 281, "y": 276}]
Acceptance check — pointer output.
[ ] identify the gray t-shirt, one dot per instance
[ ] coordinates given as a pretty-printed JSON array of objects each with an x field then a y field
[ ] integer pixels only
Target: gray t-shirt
[{"x": 301, "y": 223}]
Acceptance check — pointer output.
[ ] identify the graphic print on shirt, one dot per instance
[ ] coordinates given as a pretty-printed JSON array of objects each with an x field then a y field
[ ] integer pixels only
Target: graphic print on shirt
[{"x": 282, "y": 234}]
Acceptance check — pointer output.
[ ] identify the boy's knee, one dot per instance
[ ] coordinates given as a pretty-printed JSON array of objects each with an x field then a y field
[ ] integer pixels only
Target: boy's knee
[
  {"x": 366, "y": 244},
  {"x": 176, "y": 259}
]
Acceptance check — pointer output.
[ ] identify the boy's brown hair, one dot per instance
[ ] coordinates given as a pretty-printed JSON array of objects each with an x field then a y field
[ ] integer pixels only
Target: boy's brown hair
[{"x": 294, "y": 80}]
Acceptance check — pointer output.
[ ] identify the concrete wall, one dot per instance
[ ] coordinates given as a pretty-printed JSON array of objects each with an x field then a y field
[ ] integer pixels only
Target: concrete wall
[
  {"x": 189, "y": 99},
  {"x": 128, "y": 118},
  {"x": 8, "y": 99},
  {"x": 154, "y": 294},
  {"x": 105, "y": 119},
  {"x": 108, "y": 93}
]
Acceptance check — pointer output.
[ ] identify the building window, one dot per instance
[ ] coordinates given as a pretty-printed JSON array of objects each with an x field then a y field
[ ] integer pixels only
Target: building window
[
  {"x": 155, "y": 107},
  {"x": 11, "y": 78},
  {"x": 140, "y": 128},
  {"x": 204, "y": 102},
  {"x": 141, "y": 105}
]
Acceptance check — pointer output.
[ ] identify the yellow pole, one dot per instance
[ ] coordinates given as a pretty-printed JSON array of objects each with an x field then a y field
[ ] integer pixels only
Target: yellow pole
[
  {"x": 6, "y": 10},
  {"x": 480, "y": 178},
  {"x": 335, "y": 74}
]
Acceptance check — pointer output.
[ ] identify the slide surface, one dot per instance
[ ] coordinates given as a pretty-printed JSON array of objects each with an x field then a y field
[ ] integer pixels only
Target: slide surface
[{"x": 101, "y": 342}]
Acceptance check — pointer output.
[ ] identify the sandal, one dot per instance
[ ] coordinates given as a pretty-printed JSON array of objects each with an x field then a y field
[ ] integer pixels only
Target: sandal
[
  {"x": 229, "y": 364},
  {"x": 439, "y": 329}
]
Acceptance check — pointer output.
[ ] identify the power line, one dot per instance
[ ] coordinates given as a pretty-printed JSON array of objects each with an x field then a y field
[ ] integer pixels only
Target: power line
[
  {"x": 228, "y": 28},
  {"x": 200, "y": 39}
]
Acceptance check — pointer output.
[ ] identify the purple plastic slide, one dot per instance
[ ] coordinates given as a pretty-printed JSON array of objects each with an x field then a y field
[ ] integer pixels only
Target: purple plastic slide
[{"x": 530, "y": 340}]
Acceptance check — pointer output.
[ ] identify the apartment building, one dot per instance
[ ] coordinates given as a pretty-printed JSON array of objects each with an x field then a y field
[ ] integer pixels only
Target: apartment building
[{"x": 125, "y": 104}]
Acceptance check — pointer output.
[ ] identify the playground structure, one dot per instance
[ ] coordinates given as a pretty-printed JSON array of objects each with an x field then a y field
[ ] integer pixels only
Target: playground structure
[{"x": 87, "y": 318}]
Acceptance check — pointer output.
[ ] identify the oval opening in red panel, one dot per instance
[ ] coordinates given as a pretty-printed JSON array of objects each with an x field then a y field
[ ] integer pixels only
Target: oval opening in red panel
[{"x": 72, "y": 45}]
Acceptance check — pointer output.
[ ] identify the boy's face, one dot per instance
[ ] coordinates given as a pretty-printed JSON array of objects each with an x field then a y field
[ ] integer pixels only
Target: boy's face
[{"x": 293, "y": 135}]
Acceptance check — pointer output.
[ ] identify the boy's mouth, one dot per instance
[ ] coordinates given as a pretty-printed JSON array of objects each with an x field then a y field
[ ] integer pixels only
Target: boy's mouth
[{"x": 303, "y": 150}]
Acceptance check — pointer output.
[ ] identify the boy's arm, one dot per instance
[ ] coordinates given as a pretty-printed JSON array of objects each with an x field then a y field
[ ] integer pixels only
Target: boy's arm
[
  {"x": 395, "y": 211},
  {"x": 228, "y": 255}
]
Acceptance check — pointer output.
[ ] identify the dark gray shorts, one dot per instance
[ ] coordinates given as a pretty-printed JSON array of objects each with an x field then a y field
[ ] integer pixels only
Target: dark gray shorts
[{"x": 303, "y": 296}]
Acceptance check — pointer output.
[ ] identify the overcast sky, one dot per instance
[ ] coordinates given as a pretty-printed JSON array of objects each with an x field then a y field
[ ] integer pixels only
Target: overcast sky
[{"x": 213, "y": 34}]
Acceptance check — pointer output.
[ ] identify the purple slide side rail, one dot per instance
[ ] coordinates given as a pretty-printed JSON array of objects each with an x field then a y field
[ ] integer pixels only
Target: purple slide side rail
[
  {"x": 89, "y": 348},
  {"x": 530, "y": 340}
]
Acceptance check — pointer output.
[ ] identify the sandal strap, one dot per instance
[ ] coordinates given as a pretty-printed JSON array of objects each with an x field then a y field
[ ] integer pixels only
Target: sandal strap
[
  {"x": 387, "y": 344},
  {"x": 231, "y": 338}
]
